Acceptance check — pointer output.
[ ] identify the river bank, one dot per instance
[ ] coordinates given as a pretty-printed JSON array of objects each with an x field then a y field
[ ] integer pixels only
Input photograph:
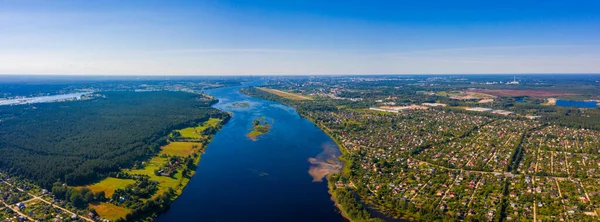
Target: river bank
[
  {"x": 347, "y": 164},
  {"x": 163, "y": 177},
  {"x": 351, "y": 205},
  {"x": 265, "y": 180}
]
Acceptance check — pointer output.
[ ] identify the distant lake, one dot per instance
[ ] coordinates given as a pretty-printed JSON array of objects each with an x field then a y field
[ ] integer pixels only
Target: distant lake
[
  {"x": 579, "y": 104},
  {"x": 42, "y": 99}
]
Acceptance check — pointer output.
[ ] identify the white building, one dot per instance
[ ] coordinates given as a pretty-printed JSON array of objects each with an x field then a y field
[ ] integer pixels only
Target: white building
[{"x": 514, "y": 82}]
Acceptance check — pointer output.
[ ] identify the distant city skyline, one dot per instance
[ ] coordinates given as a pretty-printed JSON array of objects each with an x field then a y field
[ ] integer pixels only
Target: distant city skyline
[{"x": 298, "y": 37}]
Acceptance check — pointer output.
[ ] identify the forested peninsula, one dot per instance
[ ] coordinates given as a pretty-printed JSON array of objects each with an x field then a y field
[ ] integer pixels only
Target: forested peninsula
[{"x": 110, "y": 142}]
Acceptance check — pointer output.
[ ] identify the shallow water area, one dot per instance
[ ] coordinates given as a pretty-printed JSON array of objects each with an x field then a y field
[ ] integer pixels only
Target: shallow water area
[{"x": 239, "y": 179}]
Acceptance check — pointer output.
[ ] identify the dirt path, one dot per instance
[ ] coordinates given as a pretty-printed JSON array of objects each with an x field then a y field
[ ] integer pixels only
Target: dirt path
[
  {"x": 48, "y": 202},
  {"x": 537, "y": 159},
  {"x": 490, "y": 159},
  {"x": 422, "y": 187},
  {"x": 16, "y": 210},
  {"x": 450, "y": 187},
  {"x": 562, "y": 200},
  {"x": 473, "y": 195},
  {"x": 27, "y": 201},
  {"x": 552, "y": 162},
  {"x": 534, "y": 205},
  {"x": 567, "y": 165},
  {"x": 534, "y": 212},
  {"x": 588, "y": 197},
  {"x": 463, "y": 147}
]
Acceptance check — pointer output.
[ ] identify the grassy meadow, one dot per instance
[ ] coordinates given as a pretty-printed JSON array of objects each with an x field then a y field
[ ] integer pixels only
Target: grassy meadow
[
  {"x": 196, "y": 132},
  {"x": 110, "y": 211},
  {"x": 176, "y": 181},
  {"x": 182, "y": 149},
  {"x": 110, "y": 184},
  {"x": 287, "y": 95}
]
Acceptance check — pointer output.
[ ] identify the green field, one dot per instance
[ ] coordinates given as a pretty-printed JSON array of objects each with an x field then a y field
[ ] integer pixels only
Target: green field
[
  {"x": 110, "y": 211},
  {"x": 110, "y": 184},
  {"x": 196, "y": 132},
  {"x": 176, "y": 182},
  {"x": 182, "y": 149}
]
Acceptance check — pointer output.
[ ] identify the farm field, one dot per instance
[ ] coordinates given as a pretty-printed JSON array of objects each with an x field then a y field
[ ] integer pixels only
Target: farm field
[
  {"x": 195, "y": 132},
  {"x": 110, "y": 211},
  {"x": 180, "y": 148},
  {"x": 287, "y": 95},
  {"x": 110, "y": 184},
  {"x": 175, "y": 181},
  {"x": 166, "y": 173}
]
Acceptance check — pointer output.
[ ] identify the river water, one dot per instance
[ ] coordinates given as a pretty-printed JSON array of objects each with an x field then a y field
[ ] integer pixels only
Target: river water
[
  {"x": 578, "y": 104},
  {"x": 238, "y": 179},
  {"x": 43, "y": 99}
]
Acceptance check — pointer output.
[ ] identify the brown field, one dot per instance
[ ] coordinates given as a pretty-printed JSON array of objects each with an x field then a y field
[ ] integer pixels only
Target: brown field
[
  {"x": 468, "y": 95},
  {"x": 517, "y": 92},
  {"x": 287, "y": 95},
  {"x": 109, "y": 211}
]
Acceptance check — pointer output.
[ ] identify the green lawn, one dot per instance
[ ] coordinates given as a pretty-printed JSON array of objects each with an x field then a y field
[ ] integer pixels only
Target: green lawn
[
  {"x": 195, "y": 132},
  {"x": 110, "y": 184},
  {"x": 177, "y": 182},
  {"x": 182, "y": 149}
]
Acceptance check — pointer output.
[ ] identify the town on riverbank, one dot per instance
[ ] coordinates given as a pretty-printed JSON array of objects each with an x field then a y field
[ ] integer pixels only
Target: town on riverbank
[{"x": 412, "y": 150}]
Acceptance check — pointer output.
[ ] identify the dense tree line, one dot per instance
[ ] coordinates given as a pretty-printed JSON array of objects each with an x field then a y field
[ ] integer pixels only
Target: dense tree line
[{"x": 81, "y": 142}]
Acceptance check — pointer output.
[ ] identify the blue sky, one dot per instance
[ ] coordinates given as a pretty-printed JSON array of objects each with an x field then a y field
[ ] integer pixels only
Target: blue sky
[{"x": 231, "y": 37}]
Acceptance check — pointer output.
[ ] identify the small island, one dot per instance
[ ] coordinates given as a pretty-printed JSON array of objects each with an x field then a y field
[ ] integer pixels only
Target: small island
[{"x": 260, "y": 126}]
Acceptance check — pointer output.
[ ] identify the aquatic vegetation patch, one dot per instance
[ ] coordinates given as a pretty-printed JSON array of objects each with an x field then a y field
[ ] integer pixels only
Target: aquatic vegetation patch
[{"x": 260, "y": 126}]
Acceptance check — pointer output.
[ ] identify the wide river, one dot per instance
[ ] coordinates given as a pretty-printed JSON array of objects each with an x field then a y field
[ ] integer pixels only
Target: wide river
[{"x": 238, "y": 179}]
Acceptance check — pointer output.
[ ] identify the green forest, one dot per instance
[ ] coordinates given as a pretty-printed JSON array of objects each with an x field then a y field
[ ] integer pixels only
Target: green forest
[{"x": 82, "y": 142}]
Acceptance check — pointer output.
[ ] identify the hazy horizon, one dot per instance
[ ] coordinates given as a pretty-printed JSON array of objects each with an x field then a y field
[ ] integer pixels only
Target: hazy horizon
[{"x": 296, "y": 37}]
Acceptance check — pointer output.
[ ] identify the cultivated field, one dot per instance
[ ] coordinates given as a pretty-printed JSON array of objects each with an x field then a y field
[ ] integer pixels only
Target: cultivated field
[
  {"x": 287, "y": 95},
  {"x": 110, "y": 211},
  {"x": 467, "y": 95},
  {"x": 176, "y": 181},
  {"x": 195, "y": 132},
  {"x": 182, "y": 149},
  {"x": 109, "y": 185}
]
